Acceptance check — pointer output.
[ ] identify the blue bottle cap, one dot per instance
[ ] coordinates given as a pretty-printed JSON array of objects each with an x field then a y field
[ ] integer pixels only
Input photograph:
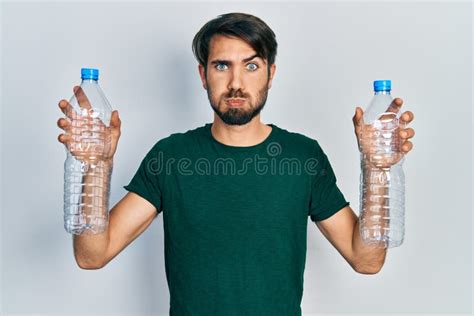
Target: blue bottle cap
[
  {"x": 89, "y": 73},
  {"x": 382, "y": 85}
]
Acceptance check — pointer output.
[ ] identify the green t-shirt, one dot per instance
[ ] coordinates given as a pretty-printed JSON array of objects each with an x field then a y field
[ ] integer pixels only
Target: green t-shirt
[{"x": 235, "y": 218}]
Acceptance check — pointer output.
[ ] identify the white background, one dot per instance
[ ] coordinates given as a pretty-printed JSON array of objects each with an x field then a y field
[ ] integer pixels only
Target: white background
[{"x": 329, "y": 53}]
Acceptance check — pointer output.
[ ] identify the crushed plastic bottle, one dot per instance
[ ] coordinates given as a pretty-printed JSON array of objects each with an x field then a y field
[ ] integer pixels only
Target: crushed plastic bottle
[
  {"x": 382, "y": 179},
  {"x": 86, "y": 173}
]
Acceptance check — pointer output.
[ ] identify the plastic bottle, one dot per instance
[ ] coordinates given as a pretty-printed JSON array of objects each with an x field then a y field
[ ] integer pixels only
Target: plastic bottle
[
  {"x": 382, "y": 180},
  {"x": 86, "y": 173}
]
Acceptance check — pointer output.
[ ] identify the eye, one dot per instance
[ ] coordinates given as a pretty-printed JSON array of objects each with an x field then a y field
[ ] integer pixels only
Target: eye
[
  {"x": 218, "y": 67},
  {"x": 252, "y": 68}
]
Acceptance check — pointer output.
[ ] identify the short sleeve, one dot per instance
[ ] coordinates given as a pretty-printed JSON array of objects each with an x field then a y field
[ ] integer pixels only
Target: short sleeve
[
  {"x": 326, "y": 198},
  {"x": 145, "y": 181}
]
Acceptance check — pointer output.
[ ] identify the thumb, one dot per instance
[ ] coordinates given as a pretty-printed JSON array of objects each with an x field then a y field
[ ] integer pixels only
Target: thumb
[
  {"x": 115, "y": 119},
  {"x": 358, "y": 116}
]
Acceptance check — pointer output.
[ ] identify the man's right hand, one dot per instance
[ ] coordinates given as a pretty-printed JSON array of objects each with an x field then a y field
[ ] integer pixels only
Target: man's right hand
[{"x": 74, "y": 125}]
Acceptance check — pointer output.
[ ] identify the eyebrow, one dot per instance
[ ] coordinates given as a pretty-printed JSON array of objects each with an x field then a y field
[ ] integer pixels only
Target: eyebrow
[{"x": 228, "y": 62}]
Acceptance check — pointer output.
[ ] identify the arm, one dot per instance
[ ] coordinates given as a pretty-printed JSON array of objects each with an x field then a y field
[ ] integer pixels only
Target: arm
[
  {"x": 342, "y": 231},
  {"x": 127, "y": 220},
  {"x": 89, "y": 247}
]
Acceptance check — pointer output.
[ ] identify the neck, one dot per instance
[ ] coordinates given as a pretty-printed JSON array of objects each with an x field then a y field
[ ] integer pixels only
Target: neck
[{"x": 250, "y": 134}]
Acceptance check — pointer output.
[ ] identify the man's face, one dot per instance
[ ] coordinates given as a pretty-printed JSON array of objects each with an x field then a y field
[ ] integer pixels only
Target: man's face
[{"x": 237, "y": 81}]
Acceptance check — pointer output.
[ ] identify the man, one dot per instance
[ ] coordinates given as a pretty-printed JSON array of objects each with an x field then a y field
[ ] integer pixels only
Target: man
[{"x": 235, "y": 194}]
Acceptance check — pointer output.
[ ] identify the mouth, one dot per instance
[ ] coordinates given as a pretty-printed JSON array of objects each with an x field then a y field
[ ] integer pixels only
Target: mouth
[{"x": 235, "y": 102}]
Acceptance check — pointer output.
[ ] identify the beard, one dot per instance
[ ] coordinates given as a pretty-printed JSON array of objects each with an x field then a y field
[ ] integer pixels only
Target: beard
[{"x": 239, "y": 116}]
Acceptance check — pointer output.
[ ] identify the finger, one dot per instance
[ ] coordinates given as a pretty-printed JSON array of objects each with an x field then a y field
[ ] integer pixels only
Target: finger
[
  {"x": 81, "y": 98},
  {"x": 395, "y": 106},
  {"x": 115, "y": 121},
  {"x": 63, "y": 138},
  {"x": 407, "y": 133},
  {"x": 407, "y": 146},
  {"x": 407, "y": 117},
  {"x": 63, "y": 123},
  {"x": 67, "y": 109},
  {"x": 357, "y": 118}
]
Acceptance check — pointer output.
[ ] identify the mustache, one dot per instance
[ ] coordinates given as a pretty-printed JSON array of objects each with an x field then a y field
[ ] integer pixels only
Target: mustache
[{"x": 236, "y": 94}]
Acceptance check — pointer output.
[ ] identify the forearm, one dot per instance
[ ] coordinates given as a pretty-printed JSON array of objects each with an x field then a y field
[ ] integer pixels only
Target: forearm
[
  {"x": 369, "y": 258},
  {"x": 90, "y": 248},
  {"x": 366, "y": 258}
]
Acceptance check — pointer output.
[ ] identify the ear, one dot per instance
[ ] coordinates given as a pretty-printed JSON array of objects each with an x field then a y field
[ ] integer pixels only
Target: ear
[
  {"x": 272, "y": 73},
  {"x": 202, "y": 74}
]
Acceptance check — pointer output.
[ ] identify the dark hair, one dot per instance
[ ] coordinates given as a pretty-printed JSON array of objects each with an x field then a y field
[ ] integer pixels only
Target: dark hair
[{"x": 247, "y": 27}]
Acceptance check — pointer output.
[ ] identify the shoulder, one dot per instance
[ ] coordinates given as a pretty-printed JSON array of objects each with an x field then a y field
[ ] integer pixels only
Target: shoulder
[
  {"x": 178, "y": 140},
  {"x": 298, "y": 142}
]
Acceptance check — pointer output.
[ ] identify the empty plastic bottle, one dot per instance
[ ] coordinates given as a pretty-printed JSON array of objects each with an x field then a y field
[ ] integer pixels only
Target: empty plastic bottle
[
  {"x": 86, "y": 172},
  {"x": 382, "y": 180}
]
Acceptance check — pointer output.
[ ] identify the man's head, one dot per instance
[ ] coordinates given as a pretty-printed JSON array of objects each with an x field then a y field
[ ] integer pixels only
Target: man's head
[{"x": 236, "y": 54}]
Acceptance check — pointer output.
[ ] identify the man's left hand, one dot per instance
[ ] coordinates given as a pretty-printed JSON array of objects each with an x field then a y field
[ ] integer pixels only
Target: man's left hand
[{"x": 405, "y": 132}]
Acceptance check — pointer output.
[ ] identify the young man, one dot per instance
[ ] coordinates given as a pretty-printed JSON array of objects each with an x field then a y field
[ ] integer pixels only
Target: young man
[{"x": 235, "y": 194}]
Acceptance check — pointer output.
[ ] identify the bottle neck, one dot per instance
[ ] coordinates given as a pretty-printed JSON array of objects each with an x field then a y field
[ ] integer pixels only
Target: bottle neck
[
  {"x": 383, "y": 92},
  {"x": 90, "y": 81}
]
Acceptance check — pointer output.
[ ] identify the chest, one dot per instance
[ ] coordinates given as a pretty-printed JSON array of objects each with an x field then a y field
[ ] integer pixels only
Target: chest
[{"x": 249, "y": 201}]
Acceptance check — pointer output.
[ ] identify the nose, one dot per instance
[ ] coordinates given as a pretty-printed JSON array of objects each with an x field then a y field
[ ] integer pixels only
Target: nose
[{"x": 236, "y": 80}]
